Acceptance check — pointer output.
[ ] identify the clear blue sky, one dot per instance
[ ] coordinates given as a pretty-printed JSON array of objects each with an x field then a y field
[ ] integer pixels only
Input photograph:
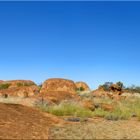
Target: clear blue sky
[{"x": 93, "y": 42}]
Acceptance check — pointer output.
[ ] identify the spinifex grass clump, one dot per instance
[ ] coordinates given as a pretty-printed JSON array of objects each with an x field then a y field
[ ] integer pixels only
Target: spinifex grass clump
[
  {"x": 100, "y": 113},
  {"x": 133, "y": 104},
  {"x": 123, "y": 110},
  {"x": 4, "y": 86},
  {"x": 118, "y": 114},
  {"x": 69, "y": 109}
]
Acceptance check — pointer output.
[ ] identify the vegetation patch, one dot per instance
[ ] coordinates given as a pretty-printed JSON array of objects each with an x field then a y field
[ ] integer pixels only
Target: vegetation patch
[
  {"x": 80, "y": 89},
  {"x": 68, "y": 109},
  {"x": 100, "y": 113},
  {"x": 118, "y": 114},
  {"x": 123, "y": 109},
  {"x": 4, "y": 86}
]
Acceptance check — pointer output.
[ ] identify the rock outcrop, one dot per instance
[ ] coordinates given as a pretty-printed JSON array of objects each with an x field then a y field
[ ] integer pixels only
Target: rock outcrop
[
  {"x": 116, "y": 89},
  {"x": 82, "y": 86},
  {"x": 100, "y": 92},
  {"x": 19, "y": 88},
  {"x": 107, "y": 107},
  {"x": 57, "y": 90},
  {"x": 58, "y": 96},
  {"x": 58, "y": 84},
  {"x": 1, "y": 81},
  {"x": 88, "y": 104}
]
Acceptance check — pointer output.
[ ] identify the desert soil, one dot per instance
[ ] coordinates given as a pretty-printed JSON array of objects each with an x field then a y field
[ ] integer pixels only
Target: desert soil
[
  {"x": 98, "y": 129},
  {"x": 20, "y": 122}
]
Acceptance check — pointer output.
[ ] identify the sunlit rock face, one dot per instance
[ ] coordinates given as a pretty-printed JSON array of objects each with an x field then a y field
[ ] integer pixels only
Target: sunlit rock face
[
  {"x": 19, "y": 88},
  {"x": 58, "y": 84}
]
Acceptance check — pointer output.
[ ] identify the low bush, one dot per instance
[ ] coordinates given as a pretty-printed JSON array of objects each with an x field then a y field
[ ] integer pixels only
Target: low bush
[
  {"x": 4, "y": 86},
  {"x": 100, "y": 113},
  {"x": 123, "y": 110},
  {"x": 118, "y": 114},
  {"x": 68, "y": 109},
  {"x": 19, "y": 84},
  {"x": 80, "y": 89}
]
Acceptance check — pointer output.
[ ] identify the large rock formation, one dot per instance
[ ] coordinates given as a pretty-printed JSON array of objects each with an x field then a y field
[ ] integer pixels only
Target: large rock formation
[
  {"x": 57, "y": 90},
  {"x": 82, "y": 86},
  {"x": 1, "y": 81},
  {"x": 58, "y": 84},
  {"x": 20, "y": 88}
]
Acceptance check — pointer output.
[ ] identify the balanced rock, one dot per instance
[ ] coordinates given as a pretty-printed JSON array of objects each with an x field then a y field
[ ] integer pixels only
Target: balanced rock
[
  {"x": 82, "y": 86},
  {"x": 58, "y": 84}
]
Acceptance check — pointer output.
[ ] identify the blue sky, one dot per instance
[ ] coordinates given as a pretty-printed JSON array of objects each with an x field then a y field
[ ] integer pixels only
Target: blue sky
[{"x": 93, "y": 42}]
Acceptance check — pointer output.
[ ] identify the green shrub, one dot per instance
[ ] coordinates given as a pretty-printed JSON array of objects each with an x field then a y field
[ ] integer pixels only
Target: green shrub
[
  {"x": 123, "y": 110},
  {"x": 20, "y": 84},
  {"x": 100, "y": 112},
  {"x": 4, "y": 86},
  {"x": 118, "y": 114},
  {"x": 120, "y": 84},
  {"x": 68, "y": 109},
  {"x": 106, "y": 86},
  {"x": 80, "y": 89}
]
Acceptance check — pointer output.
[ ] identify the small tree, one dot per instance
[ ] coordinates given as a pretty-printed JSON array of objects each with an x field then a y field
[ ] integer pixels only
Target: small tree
[
  {"x": 107, "y": 85},
  {"x": 120, "y": 84},
  {"x": 80, "y": 89}
]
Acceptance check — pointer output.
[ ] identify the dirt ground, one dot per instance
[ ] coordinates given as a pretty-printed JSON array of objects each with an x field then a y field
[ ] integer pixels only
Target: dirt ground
[
  {"x": 20, "y": 122},
  {"x": 98, "y": 129}
]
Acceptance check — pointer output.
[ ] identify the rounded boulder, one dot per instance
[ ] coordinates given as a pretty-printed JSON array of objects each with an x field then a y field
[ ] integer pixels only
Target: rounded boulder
[{"x": 58, "y": 84}]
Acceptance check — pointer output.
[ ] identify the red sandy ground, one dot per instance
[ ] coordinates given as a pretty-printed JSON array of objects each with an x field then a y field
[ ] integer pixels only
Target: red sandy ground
[{"x": 20, "y": 122}]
